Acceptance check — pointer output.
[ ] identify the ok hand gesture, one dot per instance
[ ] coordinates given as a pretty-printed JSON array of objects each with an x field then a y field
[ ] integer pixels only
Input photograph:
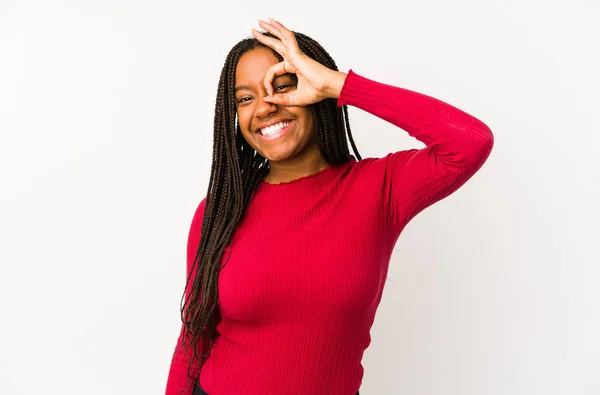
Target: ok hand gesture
[{"x": 315, "y": 81}]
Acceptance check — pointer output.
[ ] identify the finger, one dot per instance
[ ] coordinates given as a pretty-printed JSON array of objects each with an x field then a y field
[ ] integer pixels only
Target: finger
[
  {"x": 285, "y": 35},
  {"x": 270, "y": 42},
  {"x": 283, "y": 99},
  {"x": 273, "y": 72},
  {"x": 270, "y": 28}
]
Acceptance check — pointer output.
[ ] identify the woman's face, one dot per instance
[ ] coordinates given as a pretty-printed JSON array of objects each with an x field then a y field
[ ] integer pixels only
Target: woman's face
[{"x": 254, "y": 114}]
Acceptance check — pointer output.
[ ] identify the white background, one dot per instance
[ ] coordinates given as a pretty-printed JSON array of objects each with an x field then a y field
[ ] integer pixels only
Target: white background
[{"x": 106, "y": 113}]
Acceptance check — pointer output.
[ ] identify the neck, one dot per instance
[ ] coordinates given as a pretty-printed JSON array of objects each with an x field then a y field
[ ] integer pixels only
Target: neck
[{"x": 291, "y": 169}]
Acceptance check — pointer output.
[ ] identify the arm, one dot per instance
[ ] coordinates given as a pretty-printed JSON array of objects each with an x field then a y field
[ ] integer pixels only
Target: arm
[
  {"x": 457, "y": 144},
  {"x": 178, "y": 382}
]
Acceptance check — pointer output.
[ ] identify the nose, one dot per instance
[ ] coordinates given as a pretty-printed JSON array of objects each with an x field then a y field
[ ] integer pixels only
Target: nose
[{"x": 264, "y": 108}]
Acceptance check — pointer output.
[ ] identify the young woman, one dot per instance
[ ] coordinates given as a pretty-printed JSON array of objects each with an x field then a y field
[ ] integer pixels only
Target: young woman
[{"x": 289, "y": 251}]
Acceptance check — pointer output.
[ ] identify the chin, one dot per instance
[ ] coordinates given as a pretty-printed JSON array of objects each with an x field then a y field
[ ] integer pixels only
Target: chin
[
  {"x": 281, "y": 153},
  {"x": 278, "y": 157}
]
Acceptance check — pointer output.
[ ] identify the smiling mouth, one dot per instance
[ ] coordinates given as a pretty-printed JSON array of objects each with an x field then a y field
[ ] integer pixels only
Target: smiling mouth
[
  {"x": 274, "y": 129},
  {"x": 274, "y": 132}
]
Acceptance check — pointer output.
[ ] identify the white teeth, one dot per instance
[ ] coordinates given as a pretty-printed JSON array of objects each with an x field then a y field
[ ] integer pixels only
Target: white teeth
[{"x": 274, "y": 128}]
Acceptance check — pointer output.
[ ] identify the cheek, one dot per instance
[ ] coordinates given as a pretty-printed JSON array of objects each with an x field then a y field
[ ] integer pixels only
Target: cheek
[
  {"x": 308, "y": 122},
  {"x": 244, "y": 120}
]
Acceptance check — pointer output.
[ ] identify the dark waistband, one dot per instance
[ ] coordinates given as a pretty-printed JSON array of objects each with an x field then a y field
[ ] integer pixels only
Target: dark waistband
[{"x": 199, "y": 391}]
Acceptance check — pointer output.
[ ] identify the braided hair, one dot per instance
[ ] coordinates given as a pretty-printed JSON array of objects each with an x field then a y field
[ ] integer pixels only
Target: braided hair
[{"x": 236, "y": 173}]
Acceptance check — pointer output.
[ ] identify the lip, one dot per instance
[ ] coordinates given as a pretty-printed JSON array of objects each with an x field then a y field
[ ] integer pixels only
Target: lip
[
  {"x": 277, "y": 135},
  {"x": 266, "y": 125}
]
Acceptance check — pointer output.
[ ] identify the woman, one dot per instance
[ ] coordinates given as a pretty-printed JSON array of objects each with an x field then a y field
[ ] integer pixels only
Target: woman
[{"x": 288, "y": 253}]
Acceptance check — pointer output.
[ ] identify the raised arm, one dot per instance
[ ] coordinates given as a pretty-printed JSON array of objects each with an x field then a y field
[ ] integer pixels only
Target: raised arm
[{"x": 457, "y": 144}]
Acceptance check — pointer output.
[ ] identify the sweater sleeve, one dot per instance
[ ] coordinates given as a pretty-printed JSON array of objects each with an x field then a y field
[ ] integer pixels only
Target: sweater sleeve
[
  {"x": 457, "y": 145},
  {"x": 178, "y": 381}
]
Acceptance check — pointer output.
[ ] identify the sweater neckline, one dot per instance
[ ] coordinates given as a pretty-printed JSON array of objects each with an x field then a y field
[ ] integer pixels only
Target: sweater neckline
[{"x": 311, "y": 177}]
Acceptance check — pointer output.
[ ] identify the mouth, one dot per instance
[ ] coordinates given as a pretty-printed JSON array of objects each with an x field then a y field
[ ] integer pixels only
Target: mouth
[{"x": 275, "y": 131}]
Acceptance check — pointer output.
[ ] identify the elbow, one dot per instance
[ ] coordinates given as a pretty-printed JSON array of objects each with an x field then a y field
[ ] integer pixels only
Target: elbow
[
  {"x": 470, "y": 148},
  {"x": 473, "y": 147},
  {"x": 482, "y": 144},
  {"x": 486, "y": 141}
]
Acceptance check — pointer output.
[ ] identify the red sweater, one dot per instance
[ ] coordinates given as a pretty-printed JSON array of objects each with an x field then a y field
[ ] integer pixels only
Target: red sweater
[{"x": 308, "y": 262}]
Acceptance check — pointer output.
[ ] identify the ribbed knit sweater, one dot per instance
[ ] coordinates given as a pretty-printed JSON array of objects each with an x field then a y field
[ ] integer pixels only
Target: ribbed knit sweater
[{"x": 308, "y": 262}]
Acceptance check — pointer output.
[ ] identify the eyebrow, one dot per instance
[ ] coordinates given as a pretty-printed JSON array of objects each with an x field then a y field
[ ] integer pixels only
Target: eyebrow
[
  {"x": 246, "y": 87},
  {"x": 237, "y": 88}
]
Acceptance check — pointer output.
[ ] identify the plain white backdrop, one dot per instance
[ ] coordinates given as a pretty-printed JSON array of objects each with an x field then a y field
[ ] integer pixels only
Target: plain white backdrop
[{"x": 106, "y": 111}]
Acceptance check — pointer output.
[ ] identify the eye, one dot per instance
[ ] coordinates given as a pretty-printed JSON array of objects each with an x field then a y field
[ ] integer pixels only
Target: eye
[
  {"x": 282, "y": 87},
  {"x": 243, "y": 99}
]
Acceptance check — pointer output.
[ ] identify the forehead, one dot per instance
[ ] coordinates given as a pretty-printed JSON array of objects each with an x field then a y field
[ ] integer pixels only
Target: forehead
[{"x": 253, "y": 65}]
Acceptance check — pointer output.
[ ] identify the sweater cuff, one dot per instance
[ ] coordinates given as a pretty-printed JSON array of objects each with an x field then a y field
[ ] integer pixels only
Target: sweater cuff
[{"x": 354, "y": 87}]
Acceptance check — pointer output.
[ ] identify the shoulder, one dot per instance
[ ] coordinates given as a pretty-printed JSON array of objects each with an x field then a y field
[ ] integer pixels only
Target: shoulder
[
  {"x": 393, "y": 161},
  {"x": 199, "y": 213},
  {"x": 194, "y": 233}
]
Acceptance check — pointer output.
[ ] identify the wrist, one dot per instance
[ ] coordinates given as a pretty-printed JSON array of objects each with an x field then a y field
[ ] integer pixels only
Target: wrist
[{"x": 335, "y": 84}]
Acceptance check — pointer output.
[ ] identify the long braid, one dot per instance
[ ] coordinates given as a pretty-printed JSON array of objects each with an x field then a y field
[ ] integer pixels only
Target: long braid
[{"x": 237, "y": 171}]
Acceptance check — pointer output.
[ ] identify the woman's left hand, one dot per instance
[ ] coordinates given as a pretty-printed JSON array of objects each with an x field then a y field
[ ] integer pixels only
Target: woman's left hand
[{"x": 315, "y": 81}]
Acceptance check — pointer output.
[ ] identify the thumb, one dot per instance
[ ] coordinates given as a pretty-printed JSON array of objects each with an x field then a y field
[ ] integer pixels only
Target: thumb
[{"x": 280, "y": 99}]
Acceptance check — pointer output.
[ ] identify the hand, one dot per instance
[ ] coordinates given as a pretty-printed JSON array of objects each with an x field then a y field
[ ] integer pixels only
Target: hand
[{"x": 315, "y": 81}]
